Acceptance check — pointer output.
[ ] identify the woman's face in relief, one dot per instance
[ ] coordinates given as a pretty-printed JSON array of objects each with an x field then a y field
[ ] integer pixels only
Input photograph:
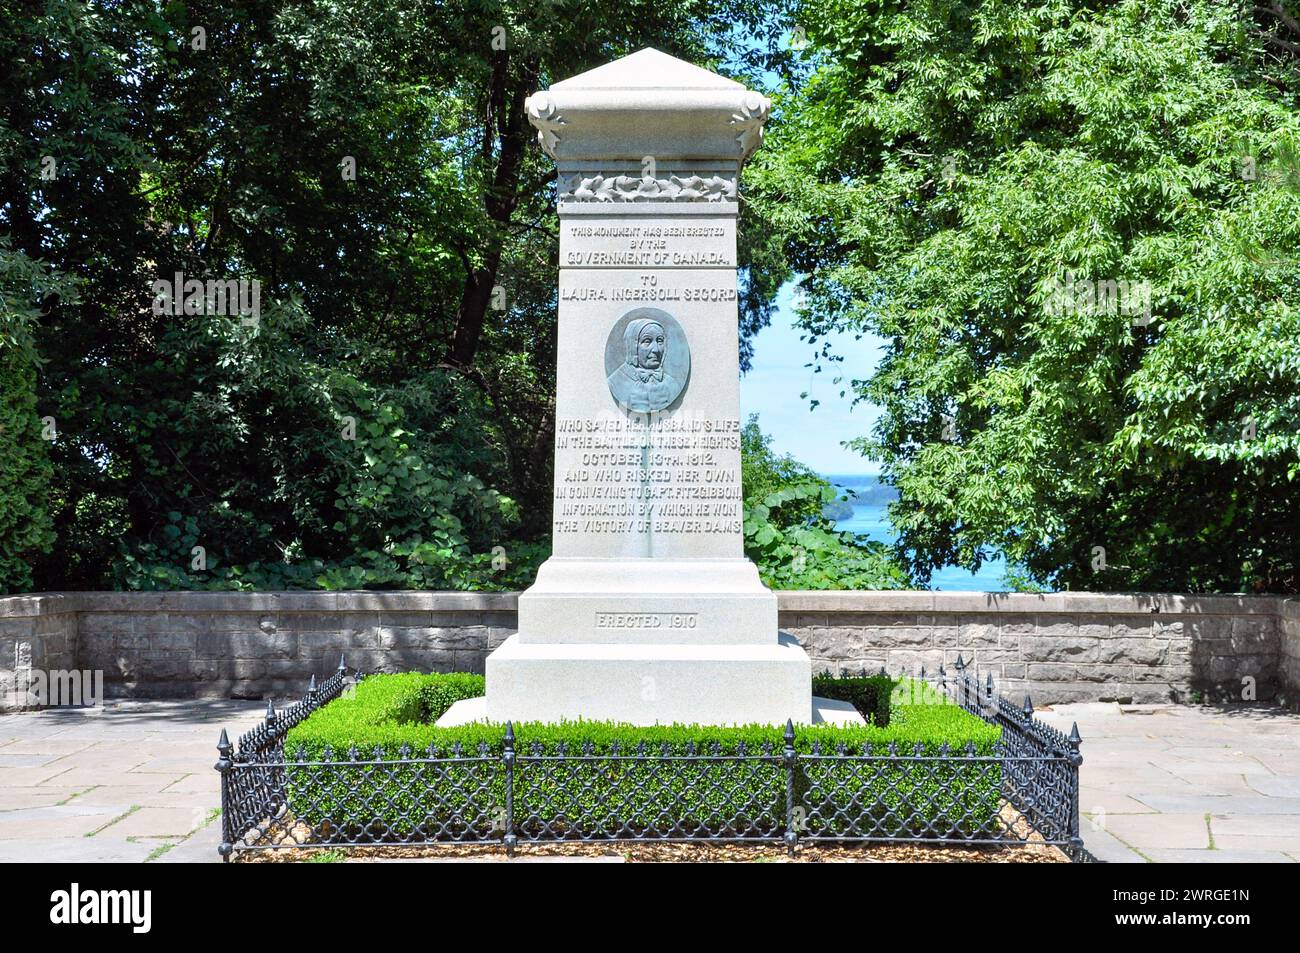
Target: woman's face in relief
[{"x": 650, "y": 347}]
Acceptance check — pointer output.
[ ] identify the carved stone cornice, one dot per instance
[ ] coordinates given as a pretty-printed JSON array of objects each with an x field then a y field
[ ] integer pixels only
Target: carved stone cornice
[
  {"x": 749, "y": 121},
  {"x": 543, "y": 113},
  {"x": 628, "y": 188}
]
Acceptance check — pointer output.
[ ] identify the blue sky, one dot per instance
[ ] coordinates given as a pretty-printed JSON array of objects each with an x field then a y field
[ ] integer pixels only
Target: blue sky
[{"x": 772, "y": 387}]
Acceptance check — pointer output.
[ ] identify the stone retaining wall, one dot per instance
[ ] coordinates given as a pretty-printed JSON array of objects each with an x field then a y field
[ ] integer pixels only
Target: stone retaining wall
[
  {"x": 1058, "y": 647},
  {"x": 37, "y": 634},
  {"x": 1288, "y": 663}
]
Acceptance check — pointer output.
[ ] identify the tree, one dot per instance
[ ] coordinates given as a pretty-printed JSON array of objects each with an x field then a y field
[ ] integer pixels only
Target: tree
[
  {"x": 386, "y": 419},
  {"x": 1076, "y": 227},
  {"x": 25, "y": 526}
]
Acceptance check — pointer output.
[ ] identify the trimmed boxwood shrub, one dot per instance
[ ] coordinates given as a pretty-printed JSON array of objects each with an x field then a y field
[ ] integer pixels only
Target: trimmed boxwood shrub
[
  {"x": 869, "y": 694},
  {"x": 389, "y": 717}
]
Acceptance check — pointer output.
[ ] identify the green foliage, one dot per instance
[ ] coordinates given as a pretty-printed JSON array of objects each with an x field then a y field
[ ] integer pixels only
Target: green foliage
[
  {"x": 948, "y": 168},
  {"x": 787, "y": 534},
  {"x": 377, "y": 288},
  {"x": 918, "y": 795},
  {"x": 870, "y": 694},
  {"x": 25, "y": 472}
]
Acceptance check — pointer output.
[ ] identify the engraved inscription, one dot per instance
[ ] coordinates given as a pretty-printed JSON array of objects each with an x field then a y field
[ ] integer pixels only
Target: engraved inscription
[
  {"x": 647, "y": 246},
  {"x": 647, "y": 287},
  {"x": 647, "y": 473},
  {"x": 647, "y": 620}
]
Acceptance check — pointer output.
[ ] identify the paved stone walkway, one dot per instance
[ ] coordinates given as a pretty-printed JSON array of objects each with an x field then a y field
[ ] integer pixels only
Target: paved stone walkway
[
  {"x": 1177, "y": 783},
  {"x": 133, "y": 781}
]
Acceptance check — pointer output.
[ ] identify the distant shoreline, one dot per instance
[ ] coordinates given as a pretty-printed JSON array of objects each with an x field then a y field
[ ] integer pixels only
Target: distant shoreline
[{"x": 866, "y": 487}]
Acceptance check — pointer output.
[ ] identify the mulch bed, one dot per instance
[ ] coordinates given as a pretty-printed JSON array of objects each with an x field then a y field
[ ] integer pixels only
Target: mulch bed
[
  {"x": 691, "y": 853},
  {"x": 286, "y": 830}
]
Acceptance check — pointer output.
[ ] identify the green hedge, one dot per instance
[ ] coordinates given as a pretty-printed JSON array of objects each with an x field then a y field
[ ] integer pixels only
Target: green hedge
[
  {"x": 870, "y": 694},
  {"x": 388, "y": 712}
]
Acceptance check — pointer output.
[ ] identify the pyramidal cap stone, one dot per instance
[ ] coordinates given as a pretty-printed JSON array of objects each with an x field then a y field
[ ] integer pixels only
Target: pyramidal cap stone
[
  {"x": 648, "y": 103},
  {"x": 647, "y": 611}
]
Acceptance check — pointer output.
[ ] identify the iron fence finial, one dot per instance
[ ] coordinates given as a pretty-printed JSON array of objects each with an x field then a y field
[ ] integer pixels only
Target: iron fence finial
[{"x": 225, "y": 749}]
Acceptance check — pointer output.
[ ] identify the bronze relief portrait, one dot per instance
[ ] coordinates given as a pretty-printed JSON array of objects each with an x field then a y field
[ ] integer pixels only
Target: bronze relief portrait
[{"x": 647, "y": 360}]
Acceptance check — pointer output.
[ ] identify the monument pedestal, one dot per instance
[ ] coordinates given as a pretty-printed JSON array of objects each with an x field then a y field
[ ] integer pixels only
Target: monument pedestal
[
  {"x": 649, "y": 641},
  {"x": 649, "y": 683},
  {"x": 648, "y": 611}
]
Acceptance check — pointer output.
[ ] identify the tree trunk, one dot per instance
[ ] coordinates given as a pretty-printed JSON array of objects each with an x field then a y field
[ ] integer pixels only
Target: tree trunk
[{"x": 506, "y": 108}]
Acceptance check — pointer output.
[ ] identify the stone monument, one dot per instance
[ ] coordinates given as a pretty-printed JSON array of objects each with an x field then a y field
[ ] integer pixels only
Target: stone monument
[{"x": 647, "y": 611}]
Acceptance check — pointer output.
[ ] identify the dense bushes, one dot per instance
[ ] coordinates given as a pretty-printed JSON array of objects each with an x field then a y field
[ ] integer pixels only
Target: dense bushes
[{"x": 380, "y": 721}]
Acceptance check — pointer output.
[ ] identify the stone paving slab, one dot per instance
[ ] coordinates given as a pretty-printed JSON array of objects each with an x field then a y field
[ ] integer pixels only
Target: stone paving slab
[
  {"x": 57, "y": 822},
  {"x": 94, "y": 850},
  {"x": 1279, "y": 787},
  {"x": 1141, "y": 831},
  {"x": 1106, "y": 847},
  {"x": 1258, "y": 825},
  {"x": 1221, "y": 805},
  {"x": 158, "y": 822},
  {"x": 1287, "y": 844},
  {"x": 1181, "y": 856}
]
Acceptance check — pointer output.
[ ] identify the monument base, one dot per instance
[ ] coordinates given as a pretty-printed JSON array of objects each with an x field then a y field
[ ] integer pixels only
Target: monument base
[
  {"x": 648, "y": 600},
  {"x": 825, "y": 711},
  {"x": 648, "y": 684}
]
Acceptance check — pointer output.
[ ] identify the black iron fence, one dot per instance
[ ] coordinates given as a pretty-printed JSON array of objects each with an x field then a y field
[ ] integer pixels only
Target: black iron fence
[{"x": 1022, "y": 790}]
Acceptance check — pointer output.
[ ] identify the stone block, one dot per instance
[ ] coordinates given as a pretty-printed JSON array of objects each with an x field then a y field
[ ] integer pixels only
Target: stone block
[
  {"x": 105, "y": 625},
  {"x": 469, "y": 660},
  {"x": 1207, "y": 628},
  {"x": 1092, "y": 627},
  {"x": 1137, "y": 651},
  {"x": 1064, "y": 648},
  {"x": 248, "y": 645},
  {"x": 406, "y": 619},
  {"x": 1056, "y": 627},
  {"x": 1253, "y": 635},
  {"x": 1017, "y": 625},
  {"x": 911, "y": 661},
  {"x": 1131, "y": 627},
  {"x": 1050, "y": 672},
  {"x": 891, "y": 636},
  {"x": 945, "y": 635}
]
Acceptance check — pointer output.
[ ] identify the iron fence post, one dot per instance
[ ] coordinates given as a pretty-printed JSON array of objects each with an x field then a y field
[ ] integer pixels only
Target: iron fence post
[
  {"x": 790, "y": 755},
  {"x": 1076, "y": 759},
  {"x": 223, "y": 765},
  {"x": 508, "y": 756}
]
